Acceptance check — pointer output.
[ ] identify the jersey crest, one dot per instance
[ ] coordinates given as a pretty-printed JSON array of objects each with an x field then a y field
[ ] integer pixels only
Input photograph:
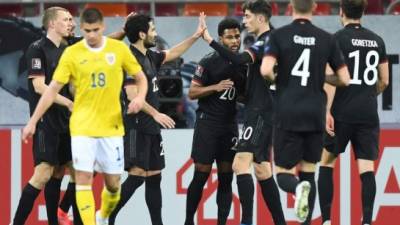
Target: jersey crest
[{"x": 110, "y": 58}]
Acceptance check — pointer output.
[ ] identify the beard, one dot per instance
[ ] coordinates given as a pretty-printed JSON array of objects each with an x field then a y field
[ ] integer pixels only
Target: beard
[{"x": 149, "y": 44}]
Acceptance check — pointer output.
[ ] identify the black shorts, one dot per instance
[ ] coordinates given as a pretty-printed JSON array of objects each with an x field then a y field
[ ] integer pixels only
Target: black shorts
[
  {"x": 363, "y": 137},
  {"x": 213, "y": 141},
  {"x": 51, "y": 147},
  {"x": 256, "y": 137},
  {"x": 143, "y": 150},
  {"x": 290, "y": 147}
]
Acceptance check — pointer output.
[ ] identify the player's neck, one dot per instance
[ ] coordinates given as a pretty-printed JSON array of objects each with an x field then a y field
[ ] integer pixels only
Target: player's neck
[
  {"x": 347, "y": 21},
  {"x": 305, "y": 16},
  {"x": 54, "y": 37},
  {"x": 263, "y": 29},
  {"x": 140, "y": 46}
]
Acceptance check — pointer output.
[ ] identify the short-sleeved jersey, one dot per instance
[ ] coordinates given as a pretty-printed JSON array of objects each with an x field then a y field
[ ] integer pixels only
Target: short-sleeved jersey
[
  {"x": 219, "y": 106},
  {"x": 302, "y": 51},
  {"x": 363, "y": 51},
  {"x": 97, "y": 76},
  {"x": 42, "y": 57},
  {"x": 150, "y": 63},
  {"x": 258, "y": 93}
]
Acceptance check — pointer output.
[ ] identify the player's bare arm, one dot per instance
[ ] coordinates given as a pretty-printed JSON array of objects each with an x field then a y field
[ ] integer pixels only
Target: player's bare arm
[
  {"x": 330, "y": 123},
  {"x": 383, "y": 80},
  {"x": 119, "y": 35},
  {"x": 339, "y": 78},
  {"x": 137, "y": 102},
  {"x": 40, "y": 87},
  {"x": 198, "y": 91},
  {"x": 179, "y": 49},
  {"x": 267, "y": 67},
  {"x": 45, "y": 102},
  {"x": 164, "y": 120}
]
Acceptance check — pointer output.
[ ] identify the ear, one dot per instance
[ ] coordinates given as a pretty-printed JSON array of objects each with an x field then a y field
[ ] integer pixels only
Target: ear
[
  {"x": 142, "y": 35},
  {"x": 341, "y": 12},
  {"x": 260, "y": 18}
]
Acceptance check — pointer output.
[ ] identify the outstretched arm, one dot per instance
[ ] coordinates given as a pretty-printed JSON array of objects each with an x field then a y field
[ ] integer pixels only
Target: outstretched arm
[
  {"x": 236, "y": 58},
  {"x": 179, "y": 49}
]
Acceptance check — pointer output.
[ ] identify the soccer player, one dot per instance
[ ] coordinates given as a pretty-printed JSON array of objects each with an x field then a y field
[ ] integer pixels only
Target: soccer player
[
  {"x": 95, "y": 67},
  {"x": 300, "y": 100},
  {"x": 144, "y": 153},
  {"x": 354, "y": 107},
  {"x": 216, "y": 84},
  {"x": 51, "y": 143},
  {"x": 69, "y": 196},
  {"x": 254, "y": 145}
]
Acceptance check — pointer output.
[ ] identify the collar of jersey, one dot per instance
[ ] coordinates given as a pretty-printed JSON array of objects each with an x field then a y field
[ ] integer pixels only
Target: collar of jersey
[
  {"x": 95, "y": 49},
  {"x": 302, "y": 20},
  {"x": 353, "y": 25}
]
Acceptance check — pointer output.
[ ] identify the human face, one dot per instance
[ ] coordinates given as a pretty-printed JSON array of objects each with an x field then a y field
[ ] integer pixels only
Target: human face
[
  {"x": 231, "y": 39},
  {"x": 93, "y": 33},
  {"x": 61, "y": 24},
  {"x": 150, "y": 40},
  {"x": 252, "y": 22},
  {"x": 73, "y": 25}
]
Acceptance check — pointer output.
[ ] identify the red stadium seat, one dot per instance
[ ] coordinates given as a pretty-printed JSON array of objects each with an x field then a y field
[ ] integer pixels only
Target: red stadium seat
[
  {"x": 72, "y": 8},
  {"x": 11, "y": 10},
  {"x": 166, "y": 9},
  {"x": 239, "y": 12},
  {"x": 210, "y": 9},
  {"x": 396, "y": 10},
  {"x": 374, "y": 7},
  {"x": 142, "y": 8},
  {"x": 110, "y": 9},
  {"x": 288, "y": 11},
  {"x": 321, "y": 10}
]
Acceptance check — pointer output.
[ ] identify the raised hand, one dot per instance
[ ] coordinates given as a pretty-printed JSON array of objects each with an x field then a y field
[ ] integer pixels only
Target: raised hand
[{"x": 201, "y": 26}]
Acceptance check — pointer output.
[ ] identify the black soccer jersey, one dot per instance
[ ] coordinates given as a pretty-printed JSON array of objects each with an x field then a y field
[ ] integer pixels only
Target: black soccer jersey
[
  {"x": 42, "y": 58},
  {"x": 73, "y": 39},
  {"x": 258, "y": 94},
  {"x": 302, "y": 51},
  {"x": 150, "y": 63},
  {"x": 220, "y": 106},
  {"x": 363, "y": 51}
]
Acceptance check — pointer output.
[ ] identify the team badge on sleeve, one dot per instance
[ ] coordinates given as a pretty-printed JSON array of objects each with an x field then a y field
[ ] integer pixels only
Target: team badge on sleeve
[
  {"x": 110, "y": 58},
  {"x": 36, "y": 63},
  {"x": 199, "y": 71}
]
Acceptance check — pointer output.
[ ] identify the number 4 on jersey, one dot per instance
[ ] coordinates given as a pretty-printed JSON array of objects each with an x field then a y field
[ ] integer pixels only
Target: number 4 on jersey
[{"x": 301, "y": 68}]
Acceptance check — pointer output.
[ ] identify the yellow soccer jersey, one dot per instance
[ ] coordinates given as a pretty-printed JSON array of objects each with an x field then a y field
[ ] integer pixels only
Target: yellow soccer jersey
[{"x": 97, "y": 76}]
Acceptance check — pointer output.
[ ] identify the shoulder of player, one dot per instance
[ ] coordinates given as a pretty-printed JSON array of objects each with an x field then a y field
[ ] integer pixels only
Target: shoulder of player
[
  {"x": 116, "y": 43},
  {"x": 372, "y": 34},
  {"x": 37, "y": 45},
  {"x": 208, "y": 58}
]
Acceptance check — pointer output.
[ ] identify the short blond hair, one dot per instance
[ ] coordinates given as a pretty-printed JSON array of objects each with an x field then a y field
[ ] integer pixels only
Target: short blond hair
[{"x": 50, "y": 14}]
